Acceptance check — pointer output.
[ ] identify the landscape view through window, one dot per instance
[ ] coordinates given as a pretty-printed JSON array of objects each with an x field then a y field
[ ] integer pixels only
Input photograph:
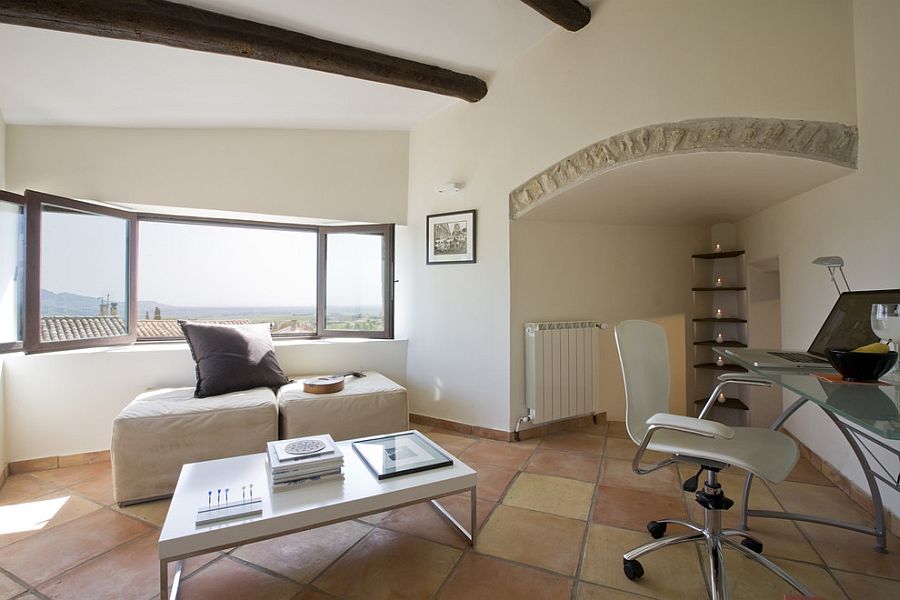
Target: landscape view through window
[{"x": 205, "y": 272}]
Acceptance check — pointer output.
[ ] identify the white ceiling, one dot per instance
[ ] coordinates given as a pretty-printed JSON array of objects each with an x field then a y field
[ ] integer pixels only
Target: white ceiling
[
  {"x": 52, "y": 78},
  {"x": 701, "y": 188}
]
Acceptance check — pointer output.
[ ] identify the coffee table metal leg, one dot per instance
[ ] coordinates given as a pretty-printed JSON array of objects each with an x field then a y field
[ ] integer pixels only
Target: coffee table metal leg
[
  {"x": 470, "y": 537},
  {"x": 474, "y": 515},
  {"x": 164, "y": 580}
]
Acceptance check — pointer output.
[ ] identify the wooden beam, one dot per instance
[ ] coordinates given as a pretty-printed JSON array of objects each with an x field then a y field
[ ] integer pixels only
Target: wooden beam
[
  {"x": 181, "y": 26},
  {"x": 571, "y": 14}
]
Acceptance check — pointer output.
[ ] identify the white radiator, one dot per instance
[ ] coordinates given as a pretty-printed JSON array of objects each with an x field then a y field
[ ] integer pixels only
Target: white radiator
[{"x": 562, "y": 369}]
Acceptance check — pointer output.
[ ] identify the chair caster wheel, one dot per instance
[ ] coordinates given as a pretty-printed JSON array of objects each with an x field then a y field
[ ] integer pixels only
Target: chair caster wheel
[
  {"x": 752, "y": 545},
  {"x": 656, "y": 529},
  {"x": 633, "y": 569}
]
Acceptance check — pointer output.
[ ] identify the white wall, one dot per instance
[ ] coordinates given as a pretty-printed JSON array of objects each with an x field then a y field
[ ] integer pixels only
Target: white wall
[
  {"x": 573, "y": 271},
  {"x": 636, "y": 63},
  {"x": 345, "y": 175},
  {"x": 3, "y": 453},
  {"x": 2, "y": 153},
  {"x": 857, "y": 217},
  {"x": 3, "y": 460},
  {"x": 64, "y": 403}
]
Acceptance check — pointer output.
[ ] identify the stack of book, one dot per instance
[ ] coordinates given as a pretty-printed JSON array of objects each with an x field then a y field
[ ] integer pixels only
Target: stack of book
[{"x": 301, "y": 461}]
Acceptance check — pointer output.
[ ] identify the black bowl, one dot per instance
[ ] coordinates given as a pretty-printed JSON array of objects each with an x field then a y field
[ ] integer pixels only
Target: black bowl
[{"x": 860, "y": 366}]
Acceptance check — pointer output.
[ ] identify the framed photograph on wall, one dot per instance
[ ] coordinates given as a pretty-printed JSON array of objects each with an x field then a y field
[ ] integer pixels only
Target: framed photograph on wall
[{"x": 450, "y": 238}]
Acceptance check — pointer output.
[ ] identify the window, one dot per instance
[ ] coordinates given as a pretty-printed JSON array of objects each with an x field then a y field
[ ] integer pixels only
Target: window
[
  {"x": 96, "y": 275},
  {"x": 357, "y": 293},
  {"x": 226, "y": 273},
  {"x": 79, "y": 289},
  {"x": 12, "y": 270}
]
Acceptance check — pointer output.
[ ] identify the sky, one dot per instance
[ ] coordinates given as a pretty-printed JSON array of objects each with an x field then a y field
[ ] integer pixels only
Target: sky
[
  {"x": 83, "y": 254},
  {"x": 200, "y": 265}
]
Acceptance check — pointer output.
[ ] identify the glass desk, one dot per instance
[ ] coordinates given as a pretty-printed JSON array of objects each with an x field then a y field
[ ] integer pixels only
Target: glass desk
[{"x": 860, "y": 411}]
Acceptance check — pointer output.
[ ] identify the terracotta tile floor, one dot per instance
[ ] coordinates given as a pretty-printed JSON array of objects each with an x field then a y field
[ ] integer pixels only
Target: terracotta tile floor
[{"x": 555, "y": 515}]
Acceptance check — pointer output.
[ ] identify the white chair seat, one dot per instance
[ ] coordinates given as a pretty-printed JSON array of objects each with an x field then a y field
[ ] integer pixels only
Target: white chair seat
[{"x": 765, "y": 453}]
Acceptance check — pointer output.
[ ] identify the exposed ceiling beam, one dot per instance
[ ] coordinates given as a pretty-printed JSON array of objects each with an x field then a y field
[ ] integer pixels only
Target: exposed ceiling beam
[
  {"x": 571, "y": 14},
  {"x": 181, "y": 26}
]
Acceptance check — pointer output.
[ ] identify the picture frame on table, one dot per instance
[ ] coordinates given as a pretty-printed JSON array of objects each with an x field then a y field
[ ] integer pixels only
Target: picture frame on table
[
  {"x": 401, "y": 453},
  {"x": 450, "y": 238}
]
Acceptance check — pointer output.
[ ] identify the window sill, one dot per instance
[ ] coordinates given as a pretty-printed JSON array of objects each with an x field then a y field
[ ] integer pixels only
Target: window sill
[{"x": 181, "y": 346}]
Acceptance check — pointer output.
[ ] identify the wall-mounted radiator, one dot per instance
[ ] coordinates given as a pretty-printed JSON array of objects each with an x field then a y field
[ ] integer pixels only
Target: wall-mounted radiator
[{"x": 562, "y": 369}]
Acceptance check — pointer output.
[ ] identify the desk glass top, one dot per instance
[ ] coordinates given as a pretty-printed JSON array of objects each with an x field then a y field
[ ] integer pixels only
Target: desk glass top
[{"x": 871, "y": 407}]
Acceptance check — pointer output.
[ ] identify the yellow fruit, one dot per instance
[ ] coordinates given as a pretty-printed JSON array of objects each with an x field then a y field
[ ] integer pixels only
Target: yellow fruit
[{"x": 876, "y": 348}]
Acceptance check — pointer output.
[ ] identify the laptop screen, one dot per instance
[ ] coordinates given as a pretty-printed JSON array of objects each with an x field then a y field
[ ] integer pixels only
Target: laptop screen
[{"x": 849, "y": 325}]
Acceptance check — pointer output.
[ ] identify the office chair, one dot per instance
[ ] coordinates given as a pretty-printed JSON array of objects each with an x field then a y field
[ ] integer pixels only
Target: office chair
[{"x": 708, "y": 445}]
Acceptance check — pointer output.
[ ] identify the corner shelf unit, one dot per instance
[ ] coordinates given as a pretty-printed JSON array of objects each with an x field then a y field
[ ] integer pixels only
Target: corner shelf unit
[{"x": 718, "y": 285}]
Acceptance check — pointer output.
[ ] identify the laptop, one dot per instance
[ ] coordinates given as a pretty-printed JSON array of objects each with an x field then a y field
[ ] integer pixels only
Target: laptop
[{"x": 848, "y": 326}]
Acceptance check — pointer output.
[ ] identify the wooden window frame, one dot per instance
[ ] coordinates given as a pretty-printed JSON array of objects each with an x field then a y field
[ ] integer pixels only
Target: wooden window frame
[
  {"x": 33, "y": 219},
  {"x": 17, "y": 345},
  {"x": 387, "y": 233}
]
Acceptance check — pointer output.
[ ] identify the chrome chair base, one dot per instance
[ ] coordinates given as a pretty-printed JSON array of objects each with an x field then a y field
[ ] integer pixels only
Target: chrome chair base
[{"x": 715, "y": 539}]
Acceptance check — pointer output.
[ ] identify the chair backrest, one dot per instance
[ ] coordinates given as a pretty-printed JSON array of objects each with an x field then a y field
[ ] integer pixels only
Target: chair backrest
[{"x": 644, "y": 356}]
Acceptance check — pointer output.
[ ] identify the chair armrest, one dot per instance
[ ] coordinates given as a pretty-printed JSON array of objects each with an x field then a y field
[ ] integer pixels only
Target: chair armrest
[
  {"x": 745, "y": 378},
  {"x": 728, "y": 379},
  {"x": 690, "y": 425}
]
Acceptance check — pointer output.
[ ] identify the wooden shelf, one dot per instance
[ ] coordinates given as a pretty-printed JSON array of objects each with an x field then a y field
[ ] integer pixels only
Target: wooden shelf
[
  {"x": 721, "y": 288},
  {"x": 734, "y": 403},
  {"x": 722, "y": 320},
  {"x": 726, "y": 367},
  {"x": 715, "y": 255},
  {"x": 726, "y": 344}
]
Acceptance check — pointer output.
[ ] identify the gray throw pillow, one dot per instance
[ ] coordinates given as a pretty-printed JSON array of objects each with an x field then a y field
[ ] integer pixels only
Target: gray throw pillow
[{"x": 231, "y": 358}]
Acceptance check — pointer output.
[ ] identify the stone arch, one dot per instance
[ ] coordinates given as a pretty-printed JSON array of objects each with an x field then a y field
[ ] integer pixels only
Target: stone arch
[{"x": 816, "y": 140}]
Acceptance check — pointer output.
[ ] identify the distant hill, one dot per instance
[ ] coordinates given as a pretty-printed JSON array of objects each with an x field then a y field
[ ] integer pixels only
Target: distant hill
[
  {"x": 68, "y": 305},
  {"x": 64, "y": 304}
]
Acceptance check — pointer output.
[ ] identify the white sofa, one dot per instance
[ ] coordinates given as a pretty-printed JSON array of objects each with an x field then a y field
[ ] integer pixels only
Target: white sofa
[{"x": 161, "y": 430}]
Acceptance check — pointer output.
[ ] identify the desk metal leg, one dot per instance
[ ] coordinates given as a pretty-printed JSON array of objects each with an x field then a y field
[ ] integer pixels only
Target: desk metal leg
[
  {"x": 877, "y": 505},
  {"x": 879, "y": 531}
]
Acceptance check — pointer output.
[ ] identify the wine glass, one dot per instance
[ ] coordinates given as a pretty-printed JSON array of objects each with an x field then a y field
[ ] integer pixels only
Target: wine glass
[{"x": 886, "y": 325}]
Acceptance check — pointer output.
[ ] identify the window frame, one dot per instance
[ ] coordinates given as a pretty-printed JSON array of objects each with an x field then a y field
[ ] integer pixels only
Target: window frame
[
  {"x": 387, "y": 257},
  {"x": 17, "y": 345},
  {"x": 34, "y": 202}
]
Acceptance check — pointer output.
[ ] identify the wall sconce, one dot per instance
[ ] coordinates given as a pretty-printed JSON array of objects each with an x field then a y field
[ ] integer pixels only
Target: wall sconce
[{"x": 450, "y": 187}]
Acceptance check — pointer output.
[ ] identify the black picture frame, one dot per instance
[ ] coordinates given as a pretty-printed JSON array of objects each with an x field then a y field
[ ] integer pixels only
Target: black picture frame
[
  {"x": 375, "y": 453},
  {"x": 450, "y": 238}
]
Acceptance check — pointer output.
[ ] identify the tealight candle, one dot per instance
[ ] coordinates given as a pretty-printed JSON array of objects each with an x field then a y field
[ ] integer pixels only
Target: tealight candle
[
  {"x": 720, "y": 361},
  {"x": 718, "y": 248},
  {"x": 720, "y": 337},
  {"x": 721, "y": 397},
  {"x": 719, "y": 313},
  {"x": 719, "y": 282}
]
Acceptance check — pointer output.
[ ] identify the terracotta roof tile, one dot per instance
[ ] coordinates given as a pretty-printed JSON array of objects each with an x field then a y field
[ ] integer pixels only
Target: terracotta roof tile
[
  {"x": 168, "y": 328},
  {"x": 59, "y": 329}
]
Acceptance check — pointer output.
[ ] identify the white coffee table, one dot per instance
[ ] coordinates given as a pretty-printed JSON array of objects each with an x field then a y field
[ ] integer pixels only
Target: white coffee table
[{"x": 358, "y": 494}]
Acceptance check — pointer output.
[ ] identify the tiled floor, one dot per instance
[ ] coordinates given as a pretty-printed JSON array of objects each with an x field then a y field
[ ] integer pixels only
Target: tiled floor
[{"x": 556, "y": 514}]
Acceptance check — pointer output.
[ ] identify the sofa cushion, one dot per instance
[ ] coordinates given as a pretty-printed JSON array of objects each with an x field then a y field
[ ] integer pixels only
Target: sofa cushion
[
  {"x": 161, "y": 430},
  {"x": 231, "y": 358},
  {"x": 366, "y": 406}
]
